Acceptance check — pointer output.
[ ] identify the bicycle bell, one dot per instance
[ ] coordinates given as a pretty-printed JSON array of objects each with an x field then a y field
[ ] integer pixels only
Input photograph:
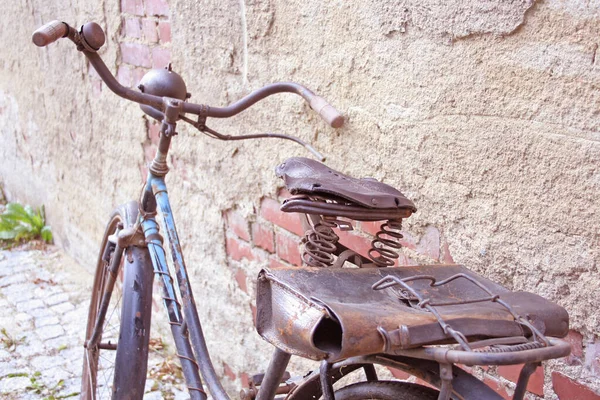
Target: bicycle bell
[{"x": 164, "y": 83}]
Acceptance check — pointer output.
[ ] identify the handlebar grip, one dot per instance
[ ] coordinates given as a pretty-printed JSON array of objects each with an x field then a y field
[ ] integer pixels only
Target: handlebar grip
[
  {"x": 327, "y": 112},
  {"x": 49, "y": 33}
]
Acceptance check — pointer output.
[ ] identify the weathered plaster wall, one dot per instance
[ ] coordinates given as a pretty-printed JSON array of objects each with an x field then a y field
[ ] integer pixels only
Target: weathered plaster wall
[{"x": 485, "y": 114}]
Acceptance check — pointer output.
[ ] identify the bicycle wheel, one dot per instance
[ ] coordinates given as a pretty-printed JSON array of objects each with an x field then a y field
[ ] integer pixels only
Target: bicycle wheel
[
  {"x": 116, "y": 367},
  {"x": 386, "y": 390}
]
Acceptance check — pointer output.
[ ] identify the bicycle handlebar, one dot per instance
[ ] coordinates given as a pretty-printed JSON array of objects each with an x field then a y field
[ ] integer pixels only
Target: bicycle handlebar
[
  {"x": 49, "y": 33},
  {"x": 91, "y": 38}
]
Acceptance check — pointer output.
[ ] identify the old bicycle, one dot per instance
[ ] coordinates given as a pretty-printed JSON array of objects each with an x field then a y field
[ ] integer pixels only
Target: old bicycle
[{"x": 350, "y": 311}]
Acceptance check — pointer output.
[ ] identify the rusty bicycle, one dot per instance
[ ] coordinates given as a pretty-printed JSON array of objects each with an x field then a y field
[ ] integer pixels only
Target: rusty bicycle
[{"x": 349, "y": 311}]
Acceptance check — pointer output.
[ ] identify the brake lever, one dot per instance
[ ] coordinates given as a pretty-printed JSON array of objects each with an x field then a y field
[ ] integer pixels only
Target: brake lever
[{"x": 201, "y": 126}]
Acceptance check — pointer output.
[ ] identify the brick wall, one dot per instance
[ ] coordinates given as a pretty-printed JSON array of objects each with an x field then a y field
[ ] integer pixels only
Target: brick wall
[
  {"x": 144, "y": 44},
  {"x": 272, "y": 237}
]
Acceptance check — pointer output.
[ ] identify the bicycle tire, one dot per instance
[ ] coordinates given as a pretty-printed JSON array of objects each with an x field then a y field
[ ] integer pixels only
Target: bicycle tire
[
  {"x": 120, "y": 373},
  {"x": 386, "y": 390}
]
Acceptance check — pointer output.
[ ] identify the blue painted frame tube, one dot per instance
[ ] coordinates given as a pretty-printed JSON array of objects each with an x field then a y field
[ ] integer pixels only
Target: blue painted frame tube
[
  {"x": 159, "y": 189},
  {"x": 178, "y": 326}
]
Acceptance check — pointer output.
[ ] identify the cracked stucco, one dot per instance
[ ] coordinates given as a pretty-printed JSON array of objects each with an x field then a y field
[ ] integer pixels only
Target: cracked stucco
[{"x": 484, "y": 113}]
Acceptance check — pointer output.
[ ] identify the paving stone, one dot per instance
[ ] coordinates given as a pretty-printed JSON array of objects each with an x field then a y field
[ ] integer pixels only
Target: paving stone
[
  {"x": 19, "y": 297},
  {"x": 180, "y": 395},
  {"x": 49, "y": 309},
  {"x": 32, "y": 347},
  {"x": 50, "y": 332},
  {"x": 8, "y": 367},
  {"x": 12, "y": 279},
  {"x": 19, "y": 269},
  {"x": 7, "y": 321},
  {"x": 153, "y": 396},
  {"x": 62, "y": 308},
  {"x": 72, "y": 385},
  {"x": 30, "y": 305},
  {"x": 4, "y": 304},
  {"x": 78, "y": 315},
  {"x": 46, "y": 320},
  {"x": 41, "y": 312},
  {"x": 64, "y": 343},
  {"x": 45, "y": 291},
  {"x": 56, "y": 298},
  {"x": 24, "y": 320},
  {"x": 8, "y": 385},
  {"x": 42, "y": 363},
  {"x": 4, "y": 356},
  {"x": 18, "y": 289}
]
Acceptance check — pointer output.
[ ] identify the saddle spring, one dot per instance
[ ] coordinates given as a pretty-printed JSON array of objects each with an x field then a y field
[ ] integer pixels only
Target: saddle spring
[
  {"x": 320, "y": 243},
  {"x": 385, "y": 246}
]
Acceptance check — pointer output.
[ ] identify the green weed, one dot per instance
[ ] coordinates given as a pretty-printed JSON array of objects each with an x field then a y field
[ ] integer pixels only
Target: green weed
[
  {"x": 49, "y": 392},
  {"x": 23, "y": 223},
  {"x": 8, "y": 341}
]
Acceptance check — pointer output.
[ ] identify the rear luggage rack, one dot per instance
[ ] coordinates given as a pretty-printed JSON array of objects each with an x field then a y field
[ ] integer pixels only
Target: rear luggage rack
[{"x": 490, "y": 351}]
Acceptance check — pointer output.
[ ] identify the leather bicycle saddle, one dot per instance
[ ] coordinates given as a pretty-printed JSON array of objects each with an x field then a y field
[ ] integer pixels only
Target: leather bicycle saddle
[{"x": 330, "y": 192}]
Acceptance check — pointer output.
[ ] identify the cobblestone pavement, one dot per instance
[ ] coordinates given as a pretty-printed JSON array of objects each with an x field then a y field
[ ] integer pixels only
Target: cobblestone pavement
[{"x": 44, "y": 299}]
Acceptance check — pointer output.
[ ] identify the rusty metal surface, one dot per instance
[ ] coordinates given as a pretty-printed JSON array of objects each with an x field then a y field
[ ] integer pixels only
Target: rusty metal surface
[
  {"x": 306, "y": 176},
  {"x": 464, "y": 385},
  {"x": 333, "y": 313},
  {"x": 332, "y": 208}
]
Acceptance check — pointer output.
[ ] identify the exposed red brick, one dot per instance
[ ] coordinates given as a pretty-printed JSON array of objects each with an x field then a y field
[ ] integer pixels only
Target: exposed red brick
[
  {"x": 238, "y": 224},
  {"x": 160, "y": 57},
  {"x": 576, "y": 340},
  {"x": 425, "y": 383},
  {"x": 497, "y": 387},
  {"x": 371, "y": 227},
  {"x": 153, "y": 131},
  {"x": 403, "y": 260},
  {"x": 536, "y": 380},
  {"x": 156, "y": 7},
  {"x": 465, "y": 368},
  {"x": 132, "y": 27},
  {"x": 238, "y": 250},
  {"x": 275, "y": 263},
  {"x": 262, "y": 236},
  {"x": 429, "y": 245},
  {"x": 567, "y": 389},
  {"x": 354, "y": 241},
  {"x": 269, "y": 210},
  {"x": 287, "y": 248},
  {"x": 228, "y": 372},
  {"x": 245, "y": 378},
  {"x": 124, "y": 75},
  {"x": 137, "y": 75},
  {"x": 399, "y": 374},
  {"x": 241, "y": 279},
  {"x": 408, "y": 241},
  {"x": 149, "y": 30},
  {"x": 283, "y": 194},
  {"x": 136, "y": 54},
  {"x": 149, "y": 152},
  {"x": 446, "y": 257},
  {"x": 164, "y": 31},
  {"x": 135, "y": 7}
]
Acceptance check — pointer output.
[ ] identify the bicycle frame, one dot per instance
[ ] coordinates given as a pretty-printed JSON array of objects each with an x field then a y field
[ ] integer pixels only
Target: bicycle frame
[{"x": 183, "y": 317}]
